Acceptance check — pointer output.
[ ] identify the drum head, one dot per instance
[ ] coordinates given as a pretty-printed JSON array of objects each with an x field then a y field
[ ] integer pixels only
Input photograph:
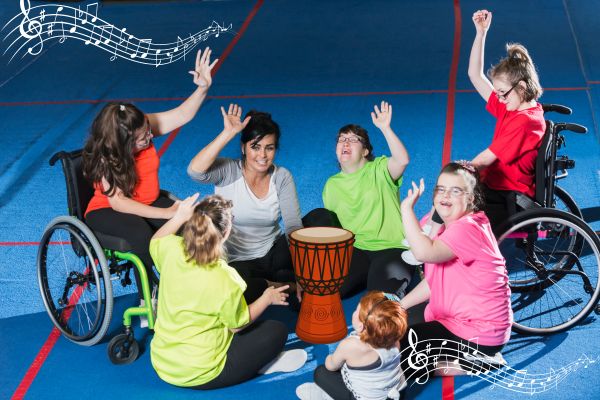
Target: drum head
[{"x": 322, "y": 234}]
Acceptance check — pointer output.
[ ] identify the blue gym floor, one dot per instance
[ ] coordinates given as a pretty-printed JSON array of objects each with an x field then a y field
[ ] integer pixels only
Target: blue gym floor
[{"x": 315, "y": 66}]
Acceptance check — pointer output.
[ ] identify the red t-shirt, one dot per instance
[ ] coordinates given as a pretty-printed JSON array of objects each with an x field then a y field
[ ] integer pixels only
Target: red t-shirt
[
  {"x": 517, "y": 137},
  {"x": 147, "y": 187}
]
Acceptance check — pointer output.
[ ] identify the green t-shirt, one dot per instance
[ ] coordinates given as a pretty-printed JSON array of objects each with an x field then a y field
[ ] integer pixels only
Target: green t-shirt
[
  {"x": 367, "y": 203},
  {"x": 196, "y": 307}
]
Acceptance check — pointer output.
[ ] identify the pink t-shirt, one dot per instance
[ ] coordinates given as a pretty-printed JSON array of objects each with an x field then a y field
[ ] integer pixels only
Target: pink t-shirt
[{"x": 470, "y": 295}]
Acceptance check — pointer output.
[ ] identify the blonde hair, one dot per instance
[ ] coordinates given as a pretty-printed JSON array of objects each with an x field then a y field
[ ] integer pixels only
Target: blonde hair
[
  {"x": 203, "y": 233},
  {"x": 518, "y": 66}
]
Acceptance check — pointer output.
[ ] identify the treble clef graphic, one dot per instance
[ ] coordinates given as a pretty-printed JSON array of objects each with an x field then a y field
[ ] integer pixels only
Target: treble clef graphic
[
  {"x": 34, "y": 28},
  {"x": 417, "y": 360}
]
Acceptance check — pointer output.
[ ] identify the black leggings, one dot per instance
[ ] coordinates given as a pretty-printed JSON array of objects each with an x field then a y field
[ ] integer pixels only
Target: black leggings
[
  {"x": 433, "y": 333},
  {"x": 135, "y": 229},
  {"x": 332, "y": 383},
  {"x": 275, "y": 266},
  {"x": 376, "y": 270},
  {"x": 249, "y": 351}
]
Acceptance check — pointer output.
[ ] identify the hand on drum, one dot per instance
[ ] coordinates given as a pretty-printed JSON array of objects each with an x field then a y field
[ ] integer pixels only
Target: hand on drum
[{"x": 277, "y": 296}]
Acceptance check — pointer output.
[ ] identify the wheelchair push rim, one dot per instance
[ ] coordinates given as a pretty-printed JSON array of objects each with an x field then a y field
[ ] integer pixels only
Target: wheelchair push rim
[
  {"x": 74, "y": 281},
  {"x": 554, "y": 285}
]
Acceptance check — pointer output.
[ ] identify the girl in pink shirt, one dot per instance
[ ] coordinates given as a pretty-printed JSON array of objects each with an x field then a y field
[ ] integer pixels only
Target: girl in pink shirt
[{"x": 466, "y": 282}]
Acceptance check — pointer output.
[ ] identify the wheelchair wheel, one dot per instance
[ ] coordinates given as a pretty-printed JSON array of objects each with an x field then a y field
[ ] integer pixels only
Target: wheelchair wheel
[
  {"x": 563, "y": 201},
  {"x": 123, "y": 349},
  {"x": 554, "y": 285},
  {"x": 74, "y": 281}
]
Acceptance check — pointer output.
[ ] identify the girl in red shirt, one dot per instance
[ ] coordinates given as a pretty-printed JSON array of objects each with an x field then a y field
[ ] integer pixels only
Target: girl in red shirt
[
  {"x": 121, "y": 161},
  {"x": 508, "y": 163}
]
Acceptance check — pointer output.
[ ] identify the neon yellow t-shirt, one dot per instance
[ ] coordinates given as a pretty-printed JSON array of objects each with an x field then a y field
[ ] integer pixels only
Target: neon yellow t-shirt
[
  {"x": 196, "y": 307},
  {"x": 367, "y": 203}
]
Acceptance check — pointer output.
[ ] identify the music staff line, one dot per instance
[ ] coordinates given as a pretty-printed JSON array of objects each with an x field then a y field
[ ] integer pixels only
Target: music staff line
[
  {"x": 446, "y": 358},
  {"x": 81, "y": 25}
]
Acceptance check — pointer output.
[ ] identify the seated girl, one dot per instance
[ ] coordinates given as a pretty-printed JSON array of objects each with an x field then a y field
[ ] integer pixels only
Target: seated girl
[
  {"x": 206, "y": 336},
  {"x": 466, "y": 282},
  {"x": 365, "y": 365},
  {"x": 120, "y": 159},
  {"x": 363, "y": 198}
]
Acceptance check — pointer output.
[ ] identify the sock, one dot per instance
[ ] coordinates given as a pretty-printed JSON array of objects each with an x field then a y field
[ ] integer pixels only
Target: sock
[
  {"x": 286, "y": 361},
  {"x": 311, "y": 391}
]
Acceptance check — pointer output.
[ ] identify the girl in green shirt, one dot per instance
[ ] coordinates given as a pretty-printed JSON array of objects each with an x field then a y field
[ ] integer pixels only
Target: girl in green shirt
[
  {"x": 364, "y": 198},
  {"x": 204, "y": 336}
]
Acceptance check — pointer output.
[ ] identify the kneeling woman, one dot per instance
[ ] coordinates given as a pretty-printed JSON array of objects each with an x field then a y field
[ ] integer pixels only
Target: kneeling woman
[
  {"x": 205, "y": 337},
  {"x": 363, "y": 198},
  {"x": 466, "y": 281}
]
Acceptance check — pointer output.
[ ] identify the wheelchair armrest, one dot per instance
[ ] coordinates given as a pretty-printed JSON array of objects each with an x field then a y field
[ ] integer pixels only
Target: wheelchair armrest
[
  {"x": 557, "y": 108},
  {"x": 525, "y": 202},
  {"x": 168, "y": 194}
]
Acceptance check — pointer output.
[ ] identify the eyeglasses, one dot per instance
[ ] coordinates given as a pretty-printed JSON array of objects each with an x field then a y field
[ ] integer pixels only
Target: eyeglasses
[
  {"x": 505, "y": 95},
  {"x": 143, "y": 140},
  {"x": 454, "y": 191},
  {"x": 349, "y": 139}
]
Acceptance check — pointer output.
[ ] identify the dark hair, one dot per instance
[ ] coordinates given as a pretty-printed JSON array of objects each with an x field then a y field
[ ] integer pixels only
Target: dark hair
[
  {"x": 203, "y": 233},
  {"x": 261, "y": 124},
  {"x": 384, "y": 320},
  {"x": 361, "y": 133},
  {"x": 518, "y": 66},
  {"x": 109, "y": 150},
  {"x": 471, "y": 177}
]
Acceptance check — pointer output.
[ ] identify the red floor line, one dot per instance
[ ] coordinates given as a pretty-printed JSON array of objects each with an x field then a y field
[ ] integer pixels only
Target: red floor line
[
  {"x": 268, "y": 96},
  {"x": 447, "y": 388},
  {"x": 448, "y": 381},
  {"x": 36, "y": 365},
  {"x": 593, "y": 82},
  {"x": 447, "y": 147},
  {"x": 55, "y": 333},
  {"x": 222, "y": 59}
]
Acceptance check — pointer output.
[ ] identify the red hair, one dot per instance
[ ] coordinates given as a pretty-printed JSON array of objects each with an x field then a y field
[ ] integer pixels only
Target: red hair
[{"x": 384, "y": 320}]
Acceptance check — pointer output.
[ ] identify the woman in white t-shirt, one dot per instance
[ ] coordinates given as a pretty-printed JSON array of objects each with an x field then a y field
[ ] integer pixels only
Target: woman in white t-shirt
[{"x": 262, "y": 195}]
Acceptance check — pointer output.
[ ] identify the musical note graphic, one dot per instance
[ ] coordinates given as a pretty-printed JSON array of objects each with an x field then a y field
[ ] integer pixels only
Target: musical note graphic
[
  {"x": 430, "y": 355},
  {"x": 29, "y": 30}
]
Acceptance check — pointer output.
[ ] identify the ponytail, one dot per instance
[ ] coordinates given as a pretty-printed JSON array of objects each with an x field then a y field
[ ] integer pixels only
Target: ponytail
[
  {"x": 518, "y": 66},
  {"x": 204, "y": 233}
]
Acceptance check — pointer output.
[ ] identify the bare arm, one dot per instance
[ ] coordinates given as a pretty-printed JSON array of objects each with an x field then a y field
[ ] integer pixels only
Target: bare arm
[
  {"x": 167, "y": 121},
  {"x": 232, "y": 126},
  {"x": 482, "y": 20},
  {"x": 423, "y": 247},
  {"x": 121, "y": 203},
  {"x": 382, "y": 119},
  {"x": 182, "y": 215},
  {"x": 335, "y": 361},
  {"x": 484, "y": 159},
  {"x": 271, "y": 296},
  {"x": 418, "y": 295}
]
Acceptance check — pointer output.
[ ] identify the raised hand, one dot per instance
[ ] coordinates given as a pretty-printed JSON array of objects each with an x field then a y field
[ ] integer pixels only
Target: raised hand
[
  {"x": 413, "y": 195},
  {"x": 186, "y": 207},
  {"x": 203, "y": 68},
  {"x": 277, "y": 296},
  {"x": 382, "y": 118},
  {"x": 232, "y": 122},
  {"x": 482, "y": 20}
]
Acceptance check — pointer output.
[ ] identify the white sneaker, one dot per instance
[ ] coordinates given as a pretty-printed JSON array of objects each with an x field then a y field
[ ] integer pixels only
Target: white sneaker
[
  {"x": 286, "y": 361},
  {"x": 311, "y": 391},
  {"x": 409, "y": 258}
]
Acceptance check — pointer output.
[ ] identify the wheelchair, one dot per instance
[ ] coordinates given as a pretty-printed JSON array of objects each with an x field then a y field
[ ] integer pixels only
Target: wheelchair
[
  {"x": 75, "y": 267},
  {"x": 552, "y": 255}
]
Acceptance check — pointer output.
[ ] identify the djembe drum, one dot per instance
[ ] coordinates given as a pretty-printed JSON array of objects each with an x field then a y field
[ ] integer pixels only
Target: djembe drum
[{"x": 321, "y": 258}]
